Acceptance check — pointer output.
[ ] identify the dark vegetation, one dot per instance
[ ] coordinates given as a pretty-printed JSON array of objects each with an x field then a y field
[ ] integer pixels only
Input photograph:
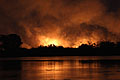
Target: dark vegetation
[{"x": 10, "y": 47}]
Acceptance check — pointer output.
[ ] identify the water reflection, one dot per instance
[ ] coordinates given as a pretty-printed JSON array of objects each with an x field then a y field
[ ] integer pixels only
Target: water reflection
[
  {"x": 68, "y": 70},
  {"x": 60, "y": 70}
]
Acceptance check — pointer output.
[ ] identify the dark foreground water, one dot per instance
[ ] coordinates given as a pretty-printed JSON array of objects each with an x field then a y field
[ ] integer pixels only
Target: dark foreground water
[{"x": 60, "y": 68}]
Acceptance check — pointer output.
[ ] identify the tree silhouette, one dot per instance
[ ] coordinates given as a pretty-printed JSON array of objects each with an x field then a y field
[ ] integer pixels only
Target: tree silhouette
[
  {"x": 107, "y": 44},
  {"x": 86, "y": 46},
  {"x": 11, "y": 41}
]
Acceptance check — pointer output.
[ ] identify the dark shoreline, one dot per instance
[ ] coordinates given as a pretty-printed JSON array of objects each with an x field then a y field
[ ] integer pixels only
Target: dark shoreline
[
  {"x": 10, "y": 46},
  {"x": 61, "y": 52}
]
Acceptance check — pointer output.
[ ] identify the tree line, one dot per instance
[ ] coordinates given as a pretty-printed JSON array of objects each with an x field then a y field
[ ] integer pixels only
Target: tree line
[{"x": 13, "y": 41}]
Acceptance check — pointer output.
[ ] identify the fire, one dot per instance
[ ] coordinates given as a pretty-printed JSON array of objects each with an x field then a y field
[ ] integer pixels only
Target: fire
[
  {"x": 46, "y": 41},
  {"x": 80, "y": 42},
  {"x": 85, "y": 41},
  {"x": 49, "y": 41}
]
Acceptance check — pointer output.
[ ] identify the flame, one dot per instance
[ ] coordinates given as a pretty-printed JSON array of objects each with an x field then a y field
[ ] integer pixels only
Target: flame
[
  {"x": 49, "y": 41},
  {"x": 46, "y": 41},
  {"x": 85, "y": 41},
  {"x": 52, "y": 41}
]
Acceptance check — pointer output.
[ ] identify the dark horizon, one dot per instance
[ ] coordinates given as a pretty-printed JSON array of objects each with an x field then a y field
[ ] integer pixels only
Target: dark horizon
[{"x": 10, "y": 46}]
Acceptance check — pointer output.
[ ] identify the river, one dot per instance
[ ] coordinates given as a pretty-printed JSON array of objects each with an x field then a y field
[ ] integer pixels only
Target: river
[{"x": 60, "y": 68}]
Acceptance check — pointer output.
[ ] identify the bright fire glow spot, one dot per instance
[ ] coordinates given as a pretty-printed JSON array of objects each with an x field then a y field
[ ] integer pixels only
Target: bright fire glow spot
[
  {"x": 49, "y": 41},
  {"x": 45, "y": 41}
]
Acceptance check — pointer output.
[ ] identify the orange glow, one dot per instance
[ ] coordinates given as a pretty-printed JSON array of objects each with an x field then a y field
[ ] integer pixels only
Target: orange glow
[
  {"x": 46, "y": 41},
  {"x": 49, "y": 41},
  {"x": 57, "y": 70},
  {"x": 64, "y": 23},
  {"x": 85, "y": 41},
  {"x": 26, "y": 46},
  {"x": 80, "y": 42}
]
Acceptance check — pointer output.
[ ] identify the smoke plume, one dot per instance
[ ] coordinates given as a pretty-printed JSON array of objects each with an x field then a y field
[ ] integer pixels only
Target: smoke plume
[{"x": 67, "y": 23}]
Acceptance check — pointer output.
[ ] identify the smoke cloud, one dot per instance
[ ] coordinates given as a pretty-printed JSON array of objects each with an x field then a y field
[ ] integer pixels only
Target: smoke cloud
[{"x": 72, "y": 22}]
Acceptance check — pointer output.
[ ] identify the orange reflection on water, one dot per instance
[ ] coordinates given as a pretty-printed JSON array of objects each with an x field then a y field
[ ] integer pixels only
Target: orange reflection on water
[
  {"x": 57, "y": 70},
  {"x": 74, "y": 69}
]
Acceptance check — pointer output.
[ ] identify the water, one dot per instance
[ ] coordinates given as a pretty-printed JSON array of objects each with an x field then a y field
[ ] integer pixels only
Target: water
[{"x": 60, "y": 68}]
